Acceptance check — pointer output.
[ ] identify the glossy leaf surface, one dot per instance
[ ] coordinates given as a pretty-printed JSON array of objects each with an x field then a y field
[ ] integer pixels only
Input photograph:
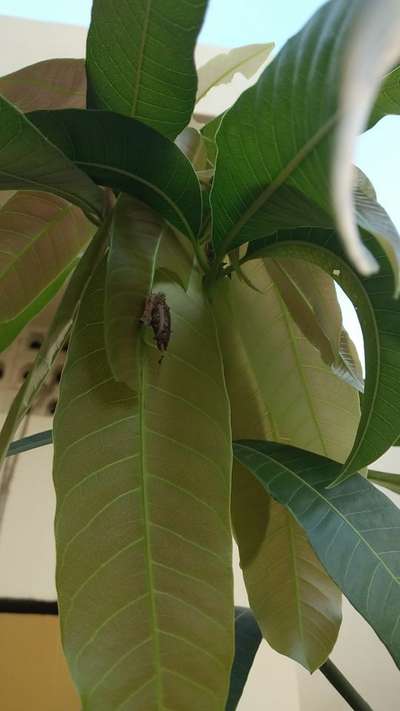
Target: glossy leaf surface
[
  {"x": 353, "y": 528},
  {"x": 137, "y": 160},
  {"x": 140, "y": 60}
]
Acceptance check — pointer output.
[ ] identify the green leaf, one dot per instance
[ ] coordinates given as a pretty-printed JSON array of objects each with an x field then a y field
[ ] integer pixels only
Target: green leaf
[
  {"x": 379, "y": 316},
  {"x": 140, "y": 60},
  {"x": 136, "y": 235},
  {"x": 275, "y": 171},
  {"x": 310, "y": 296},
  {"x": 280, "y": 389},
  {"x": 28, "y": 160},
  {"x": 347, "y": 365},
  {"x": 52, "y": 84},
  {"x": 389, "y": 481},
  {"x": 137, "y": 160},
  {"x": 352, "y": 528},
  {"x": 55, "y": 338},
  {"x": 41, "y": 235},
  {"x": 209, "y": 133},
  {"x": 388, "y": 100},
  {"x": 373, "y": 218},
  {"x": 247, "y": 641},
  {"x": 221, "y": 69},
  {"x": 11, "y": 328},
  {"x": 296, "y": 604},
  {"x": 143, "y": 523}
]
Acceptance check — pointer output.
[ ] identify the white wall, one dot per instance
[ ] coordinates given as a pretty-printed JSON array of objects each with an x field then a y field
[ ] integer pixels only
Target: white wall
[{"x": 26, "y": 543}]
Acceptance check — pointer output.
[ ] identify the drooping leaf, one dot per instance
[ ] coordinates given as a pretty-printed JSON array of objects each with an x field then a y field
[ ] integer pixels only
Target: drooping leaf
[
  {"x": 128, "y": 156},
  {"x": 247, "y": 641},
  {"x": 11, "y": 328},
  {"x": 296, "y": 604},
  {"x": 388, "y": 481},
  {"x": 308, "y": 291},
  {"x": 142, "y": 523},
  {"x": 364, "y": 65},
  {"x": 347, "y": 365},
  {"x": 28, "y": 160},
  {"x": 280, "y": 388},
  {"x": 140, "y": 60},
  {"x": 379, "y": 316},
  {"x": 310, "y": 295},
  {"x": 41, "y": 235},
  {"x": 352, "y": 528},
  {"x": 388, "y": 100},
  {"x": 51, "y": 84},
  {"x": 277, "y": 143},
  {"x": 373, "y": 218},
  {"x": 278, "y": 383},
  {"x": 136, "y": 235},
  {"x": 221, "y": 69},
  {"x": 55, "y": 338}
]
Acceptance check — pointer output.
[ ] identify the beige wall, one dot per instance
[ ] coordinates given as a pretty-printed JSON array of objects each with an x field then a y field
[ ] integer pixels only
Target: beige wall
[{"x": 27, "y": 547}]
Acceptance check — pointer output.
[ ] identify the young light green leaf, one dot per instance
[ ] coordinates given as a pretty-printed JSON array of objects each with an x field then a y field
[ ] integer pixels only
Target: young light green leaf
[
  {"x": 41, "y": 235},
  {"x": 280, "y": 389},
  {"x": 277, "y": 144},
  {"x": 278, "y": 383},
  {"x": 143, "y": 523},
  {"x": 137, "y": 160},
  {"x": 373, "y": 218},
  {"x": 140, "y": 60},
  {"x": 388, "y": 481},
  {"x": 55, "y": 339},
  {"x": 51, "y": 84},
  {"x": 247, "y": 641},
  {"x": 28, "y": 160},
  {"x": 310, "y": 295},
  {"x": 296, "y": 604},
  {"x": 347, "y": 365},
  {"x": 379, "y": 316},
  {"x": 352, "y": 528},
  {"x": 136, "y": 234},
  {"x": 365, "y": 63},
  {"x": 246, "y": 60}
]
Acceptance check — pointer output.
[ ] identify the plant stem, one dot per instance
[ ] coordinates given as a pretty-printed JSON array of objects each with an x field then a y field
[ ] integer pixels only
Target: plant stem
[{"x": 343, "y": 687}]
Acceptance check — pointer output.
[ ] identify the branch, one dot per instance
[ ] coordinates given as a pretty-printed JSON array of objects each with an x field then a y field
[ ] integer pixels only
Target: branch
[{"x": 343, "y": 687}]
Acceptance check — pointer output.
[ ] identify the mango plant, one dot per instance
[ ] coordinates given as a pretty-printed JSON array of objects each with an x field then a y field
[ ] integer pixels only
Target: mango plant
[{"x": 210, "y": 387}]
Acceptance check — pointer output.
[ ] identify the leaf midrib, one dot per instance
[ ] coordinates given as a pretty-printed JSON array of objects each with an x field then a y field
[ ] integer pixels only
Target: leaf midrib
[
  {"x": 272, "y": 187},
  {"x": 139, "y": 179},
  {"x": 139, "y": 67},
  {"x": 147, "y": 522}
]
